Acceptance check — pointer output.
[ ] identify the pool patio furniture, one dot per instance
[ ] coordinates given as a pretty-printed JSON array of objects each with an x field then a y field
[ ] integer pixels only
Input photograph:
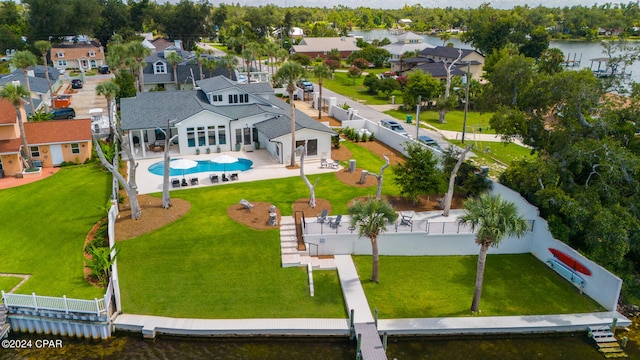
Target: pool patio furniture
[
  {"x": 194, "y": 181},
  {"x": 224, "y": 178},
  {"x": 184, "y": 182},
  {"x": 234, "y": 176},
  {"x": 247, "y": 205},
  {"x": 406, "y": 219},
  {"x": 323, "y": 216},
  {"x": 334, "y": 223},
  {"x": 175, "y": 182},
  {"x": 335, "y": 164},
  {"x": 214, "y": 178},
  {"x": 323, "y": 164}
]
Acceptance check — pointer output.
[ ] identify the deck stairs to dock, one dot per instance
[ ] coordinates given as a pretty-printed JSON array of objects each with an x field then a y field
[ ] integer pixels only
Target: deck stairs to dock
[
  {"x": 291, "y": 253},
  {"x": 4, "y": 325},
  {"x": 606, "y": 342}
]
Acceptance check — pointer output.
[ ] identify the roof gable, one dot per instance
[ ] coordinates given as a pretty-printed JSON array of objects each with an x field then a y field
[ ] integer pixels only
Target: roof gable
[
  {"x": 345, "y": 43},
  {"x": 7, "y": 112}
]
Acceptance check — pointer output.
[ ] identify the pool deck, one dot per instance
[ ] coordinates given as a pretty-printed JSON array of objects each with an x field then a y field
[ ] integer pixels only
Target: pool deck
[{"x": 264, "y": 167}]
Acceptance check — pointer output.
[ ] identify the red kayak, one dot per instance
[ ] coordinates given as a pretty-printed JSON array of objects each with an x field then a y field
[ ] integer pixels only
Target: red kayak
[{"x": 570, "y": 262}]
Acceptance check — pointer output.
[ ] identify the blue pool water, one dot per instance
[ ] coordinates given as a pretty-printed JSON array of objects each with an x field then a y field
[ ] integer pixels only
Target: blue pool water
[{"x": 203, "y": 166}]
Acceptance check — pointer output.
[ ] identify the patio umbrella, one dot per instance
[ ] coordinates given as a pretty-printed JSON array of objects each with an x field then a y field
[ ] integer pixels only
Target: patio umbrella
[
  {"x": 224, "y": 160},
  {"x": 182, "y": 164}
]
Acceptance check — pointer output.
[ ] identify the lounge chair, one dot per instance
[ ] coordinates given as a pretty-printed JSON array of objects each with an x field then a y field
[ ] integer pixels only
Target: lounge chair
[
  {"x": 334, "y": 164},
  {"x": 323, "y": 216},
  {"x": 194, "y": 181},
  {"x": 406, "y": 219},
  {"x": 175, "y": 183},
  {"x": 184, "y": 182},
  {"x": 214, "y": 178},
  {"x": 334, "y": 223},
  {"x": 224, "y": 178},
  {"x": 234, "y": 176},
  {"x": 323, "y": 164},
  {"x": 247, "y": 205}
]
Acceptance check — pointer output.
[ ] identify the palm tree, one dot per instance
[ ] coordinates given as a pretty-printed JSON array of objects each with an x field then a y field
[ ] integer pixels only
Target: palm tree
[
  {"x": 321, "y": 71},
  {"x": 230, "y": 62},
  {"x": 290, "y": 72},
  {"x": 199, "y": 60},
  {"x": 494, "y": 219},
  {"x": 44, "y": 46},
  {"x": 22, "y": 60},
  {"x": 136, "y": 50},
  {"x": 271, "y": 49},
  {"x": 109, "y": 90},
  {"x": 370, "y": 217},
  {"x": 15, "y": 94},
  {"x": 247, "y": 56},
  {"x": 174, "y": 59}
]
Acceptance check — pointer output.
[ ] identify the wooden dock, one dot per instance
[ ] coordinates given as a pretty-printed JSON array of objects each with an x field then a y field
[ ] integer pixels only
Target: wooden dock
[{"x": 606, "y": 342}]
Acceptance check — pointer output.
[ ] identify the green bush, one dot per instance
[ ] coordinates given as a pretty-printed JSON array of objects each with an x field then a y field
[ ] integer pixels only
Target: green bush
[{"x": 372, "y": 137}]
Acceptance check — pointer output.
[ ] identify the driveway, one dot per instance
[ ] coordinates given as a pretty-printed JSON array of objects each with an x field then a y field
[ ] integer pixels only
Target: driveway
[{"x": 86, "y": 99}]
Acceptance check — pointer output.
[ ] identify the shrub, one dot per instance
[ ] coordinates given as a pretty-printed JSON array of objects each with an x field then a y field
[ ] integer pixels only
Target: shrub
[
  {"x": 372, "y": 137},
  {"x": 335, "y": 141}
]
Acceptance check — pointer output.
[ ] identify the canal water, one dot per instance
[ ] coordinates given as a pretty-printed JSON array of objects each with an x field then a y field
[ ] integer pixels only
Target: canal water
[{"x": 129, "y": 346}]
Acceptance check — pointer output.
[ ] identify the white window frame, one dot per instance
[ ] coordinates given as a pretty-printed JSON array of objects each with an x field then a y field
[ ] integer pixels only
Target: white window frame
[
  {"x": 92, "y": 54},
  {"x": 35, "y": 151},
  {"x": 62, "y": 62},
  {"x": 75, "y": 148},
  {"x": 60, "y": 54},
  {"x": 159, "y": 67}
]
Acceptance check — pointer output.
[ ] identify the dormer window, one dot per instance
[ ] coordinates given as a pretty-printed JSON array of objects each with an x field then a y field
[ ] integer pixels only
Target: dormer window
[
  {"x": 216, "y": 98},
  {"x": 92, "y": 54},
  {"x": 159, "y": 68},
  {"x": 60, "y": 54}
]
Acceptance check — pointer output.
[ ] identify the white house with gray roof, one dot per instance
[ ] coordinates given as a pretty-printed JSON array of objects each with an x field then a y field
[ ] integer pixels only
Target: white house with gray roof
[
  {"x": 221, "y": 115},
  {"x": 407, "y": 42}
]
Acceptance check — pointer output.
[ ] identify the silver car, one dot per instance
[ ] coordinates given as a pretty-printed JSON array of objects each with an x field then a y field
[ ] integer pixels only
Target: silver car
[{"x": 395, "y": 126}]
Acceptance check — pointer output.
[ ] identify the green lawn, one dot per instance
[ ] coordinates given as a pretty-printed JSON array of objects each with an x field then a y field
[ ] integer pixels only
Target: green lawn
[
  {"x": 476, "y": 121},
  {"x": 44, "y": 227},
  {"x": 442, "y": 286},
  {"x": 344, "y": 85},
  {"x": 8, "y": 282}
]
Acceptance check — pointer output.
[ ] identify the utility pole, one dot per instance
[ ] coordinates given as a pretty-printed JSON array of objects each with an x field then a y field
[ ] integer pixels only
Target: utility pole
[
  {"x": 466, "y": 99},
  {"x": 418, "y": 116}
]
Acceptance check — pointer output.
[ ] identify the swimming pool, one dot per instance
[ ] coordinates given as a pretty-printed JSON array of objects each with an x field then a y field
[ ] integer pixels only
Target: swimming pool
[{"x": 203, "y": 166}]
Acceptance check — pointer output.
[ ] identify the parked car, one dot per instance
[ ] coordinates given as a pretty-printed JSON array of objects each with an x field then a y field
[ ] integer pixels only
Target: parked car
[
  {"x": 395, "y": 126},
  {"x": 76, "y": 84},
  {"x": 429, "y": 142},
  {"x": 104, "y": 69},
  {"x": 63, "y": 113},
  {"x": 305, "y": 85}
]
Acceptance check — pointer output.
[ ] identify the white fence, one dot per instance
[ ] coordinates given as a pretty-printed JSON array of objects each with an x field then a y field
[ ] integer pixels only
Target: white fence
[{"x": 37, "y": 303}]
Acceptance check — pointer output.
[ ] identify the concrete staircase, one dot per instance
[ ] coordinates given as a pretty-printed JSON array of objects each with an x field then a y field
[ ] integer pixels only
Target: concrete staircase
[
  {"x": 606, "y": 342},
  {"x": 290, "y": 254}
]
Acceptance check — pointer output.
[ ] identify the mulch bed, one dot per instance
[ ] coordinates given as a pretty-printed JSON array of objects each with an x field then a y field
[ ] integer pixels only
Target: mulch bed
[
  {"x": 257, "y": 217},
  {"x": 154, "y": 216}
]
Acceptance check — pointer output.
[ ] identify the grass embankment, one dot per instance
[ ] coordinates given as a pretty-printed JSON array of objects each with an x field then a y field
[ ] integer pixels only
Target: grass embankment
[
  {"x": 442, "y": 286},
  {"x": 44, "y": 229}
]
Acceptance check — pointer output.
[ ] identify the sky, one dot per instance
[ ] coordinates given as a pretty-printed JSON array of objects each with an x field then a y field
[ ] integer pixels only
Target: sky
[{"x": 395, "y": 4}]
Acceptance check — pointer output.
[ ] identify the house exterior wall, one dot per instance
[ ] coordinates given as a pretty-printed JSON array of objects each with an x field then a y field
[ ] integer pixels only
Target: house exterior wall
[
  {"x": 8, "y": 132},
  {"x": 11, "y": 164},
  {"x": 324, "y": 143},
  {"x": 84, "y": 148}
]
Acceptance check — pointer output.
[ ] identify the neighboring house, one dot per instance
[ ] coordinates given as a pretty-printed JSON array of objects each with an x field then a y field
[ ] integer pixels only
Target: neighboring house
[
  {"x": 40, "y": 92},
  {"x": 221, "y": 114},
  {"x": 321, "y": 46},
  {"x": 407, "y": 42},
  {"x": 50, "y": 142},
  {"x": 158, "y": 72},
  {"x": 83, "y": 55},
  {"x": 429, "y": 59}
]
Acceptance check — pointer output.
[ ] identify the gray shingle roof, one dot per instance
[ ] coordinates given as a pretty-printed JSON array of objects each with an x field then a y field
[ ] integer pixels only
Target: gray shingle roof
[
  {"x": 36, "y": 84},
  {"x": 152, "y": 109},
  {"x": 445, "y": 51}
]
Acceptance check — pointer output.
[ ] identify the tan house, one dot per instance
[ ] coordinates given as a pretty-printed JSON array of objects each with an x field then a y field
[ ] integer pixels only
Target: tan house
[
  {"x": 321, "y": 46},
  {"x": 50, "y": 142},
  {"x": 83, "y": 55}
]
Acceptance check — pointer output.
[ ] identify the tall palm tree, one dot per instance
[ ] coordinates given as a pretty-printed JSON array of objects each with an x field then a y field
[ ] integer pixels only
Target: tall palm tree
[
  {"x": 15, "y": 94},
  {"x": 44, "y": 46},
  {"x": 494, "y": 219},
  {"x": 290, "y": 72},
  {"x": 321, "y": 71},
  {"x": 200, "y": 61},
  {"x": 109, "y": 90},
  {"x": 230, "y": 62},
  {"x": 370, "y": 217},
  {"x": 22, "y": 60},
  {"x": 174, "y": 59},
  {"x": 271, "y": 49},
  {"x": 136, "y": 50},
  {"x": 247, "y": 56}
]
